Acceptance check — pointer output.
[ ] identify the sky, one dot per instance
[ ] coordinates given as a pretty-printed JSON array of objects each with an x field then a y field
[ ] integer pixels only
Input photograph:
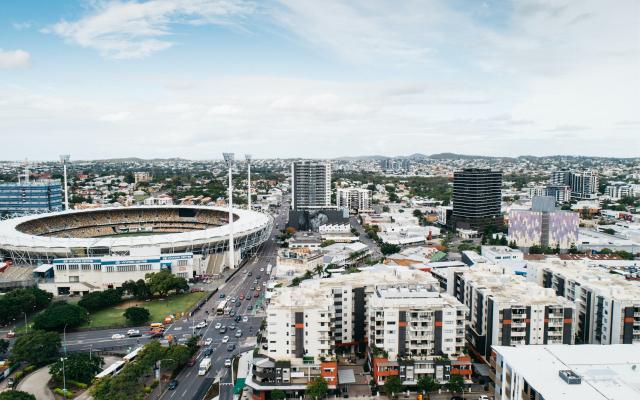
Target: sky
[{"x": 103, "y": 79}]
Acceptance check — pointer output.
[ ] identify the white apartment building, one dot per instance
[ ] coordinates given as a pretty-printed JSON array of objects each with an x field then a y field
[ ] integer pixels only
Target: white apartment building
[
  {"x": 161, "y": 200},
  {"x": 337, "y": 227},
  {"x": 608, "y": 304},
  {"x": 354, "y": 199},
  {"x": 618, "y": 191},
  {"x": 82, "y": 275},
  {"x": 311, "y": 186},
  {"x": 586, "y": 372},
  {"x": 505, "y": 310},
  {"x": 498, "y": 254}
]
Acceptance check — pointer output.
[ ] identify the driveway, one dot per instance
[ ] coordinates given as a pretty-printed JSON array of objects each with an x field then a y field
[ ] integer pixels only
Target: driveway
[{"x": 36, "y": 384}]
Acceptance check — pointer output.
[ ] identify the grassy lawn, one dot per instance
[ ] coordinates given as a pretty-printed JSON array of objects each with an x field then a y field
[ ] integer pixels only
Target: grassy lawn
[{"x": 157, "y": 308}]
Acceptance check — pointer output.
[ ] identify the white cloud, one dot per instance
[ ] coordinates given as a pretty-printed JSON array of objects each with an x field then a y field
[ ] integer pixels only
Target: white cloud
[
  {"x": 224, "y": 110},
  {"x": 21, "y": 26},
  {"x": 175, "y": 108},
  {"x": 14, "y": 59},
  {"x": 121, "y": 116},
  {"x": 135, "y": 29}
]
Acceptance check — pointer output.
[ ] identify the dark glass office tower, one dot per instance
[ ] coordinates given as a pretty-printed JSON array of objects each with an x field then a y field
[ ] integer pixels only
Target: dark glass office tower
[{"x": 476, "y": 199}]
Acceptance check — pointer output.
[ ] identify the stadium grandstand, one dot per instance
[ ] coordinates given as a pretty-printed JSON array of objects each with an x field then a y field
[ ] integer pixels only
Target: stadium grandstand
[{"x": 102, "y": 232}]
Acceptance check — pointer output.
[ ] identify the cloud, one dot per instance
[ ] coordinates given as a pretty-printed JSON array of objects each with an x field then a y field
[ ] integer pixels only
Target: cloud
[
  {"x": 501, "y": 117},
  {"x": 121, "y": 116},
  {"x": 14, "y": 59},
  {"x": 569, "y": 128},
  {"x": 21, "y": 26},
  {"x": 175, "y": 108},
  {"x": 135, "y": 29},
  {"x": 181, "y": 85},
  {"x": 224, "y": 110}
]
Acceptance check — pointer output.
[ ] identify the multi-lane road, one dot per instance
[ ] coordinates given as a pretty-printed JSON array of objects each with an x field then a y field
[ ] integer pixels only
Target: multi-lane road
[{"x": 190, "y": 384}]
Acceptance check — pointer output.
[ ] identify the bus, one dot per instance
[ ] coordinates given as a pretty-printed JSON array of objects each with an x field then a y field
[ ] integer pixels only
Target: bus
[
  {"x": 221, "y": 307},
  {"x": 157, "y": 327},
  {"x": 269, "y": 267},
  {"x": 113, "y": 369},
  {"x": 131, "y": 356}
]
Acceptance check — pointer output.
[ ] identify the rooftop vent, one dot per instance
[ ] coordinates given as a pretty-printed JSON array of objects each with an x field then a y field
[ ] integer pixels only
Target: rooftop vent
[{"x": 570, "y": 377}]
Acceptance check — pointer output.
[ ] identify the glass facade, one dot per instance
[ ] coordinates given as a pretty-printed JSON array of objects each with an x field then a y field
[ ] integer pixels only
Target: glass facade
[{"x": 32, "y": 196}]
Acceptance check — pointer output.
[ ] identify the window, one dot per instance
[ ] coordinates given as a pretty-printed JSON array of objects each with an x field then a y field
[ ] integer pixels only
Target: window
[
  {"x": 273, "y": 323},
  {"x": 391, "y": 340},
  {"x": 272, "y": 315},
  {"x": 448, "y": 340},
  {"x": 391, "y": 322},
  {"x": 391, "y": 332},
  {"x": 448, "y": 322},
  {"x": 182, "y": 275},
  {"x": 321, "y": 323},
  {"x": 126, "y": 268},
  {"x": 74, "y": 279},
  {"x": 85, "y": 267},
  {"x": 306, "y": 333},
  {"x": 61, "y": 267},
  {"x": 145, "y": 267},
  {"x": 287, "y": 351},
  {"x": 287, "y": 342},
  {"x": 109, "y": 269},
  {"x": 287, "y": 333},
  {"x": 182, "y": 263},
  {"x": 321, "y": 315},
  {"x": 97, "y": 267},
  {"x": 73, "y": 267}
]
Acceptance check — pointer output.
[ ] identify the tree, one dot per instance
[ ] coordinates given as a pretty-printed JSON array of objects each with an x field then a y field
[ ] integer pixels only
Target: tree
[
  {"x": 393, "y": 385},
  {"x": 277, "y": 394},
  {"x": 625, "y": 255},
  {"x": 137, "y": 315},
  {"x": 142, "y": 288},
  {"x": 291, "y": 231},
  {"x": 178, "y": 354},
  {"x": 192, "y": 343},
  {"x": 37, "y": 346},
  {"x": 130, "y": 287},
  {"x": 573, "y": 249},
  {"x": 503, "y": 240},
  {"x": 164, "y": 281},
  {"x": 92, "y": 301},
  {"x": 4, "y": 346},
  {"x": 606, "y": 250},
  {"x": 15, "y": 302},
  {"x": 78, "y": 367},
  {"x": 317, "y": 389},
  {"x": 353, "y": 270},
  {"x": 16, "y": 395},
  {"x": 535, "y": 249},
  {"x": 41, "y": 297},
  {"x": 388, "y": 249},
  {"x": 513, "y": 245},
  {"x": 428, "y": 383},
  {"x": 58, "y": 315},
  {"x": 129, "y": 178},
  {"x": 327, "y": 243},
  {"x": 456, "y": 383},
  {"x": 417, "y": 213},
  {"x": 609, "y": 231}
]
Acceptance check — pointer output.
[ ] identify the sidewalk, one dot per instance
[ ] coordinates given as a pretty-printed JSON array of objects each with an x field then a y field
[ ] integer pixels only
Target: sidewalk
[{"x": 36, "y": 384}]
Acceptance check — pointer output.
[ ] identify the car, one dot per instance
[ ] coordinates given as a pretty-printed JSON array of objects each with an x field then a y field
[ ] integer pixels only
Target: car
[
  {"x": 232, "y": 313},
  {"x": 258, "y": 289},
  {"x": 264, "y": 283},
  {"x": 483, "y": 397},
  {"x": 223, "y": 329},
  {"x": 156, "y": 335},
  {"x": 245, "y": 319},
  {"x": 173, "y": 384},
  {"x": 136, "y": 334},
  {"x": 201, "y": 325},
  {"x": 225, "y": 339},
  {"x": 218, "y": 326},
  {"x": 255, "y": 281},
  {"x": 232, "y": 326},
  {"x": 256, "y": 294},
  {"x": 117, "y": 336},
  {"x": 261, "y": 269},
  {"x": 233, "y": 299},
  {"x": 249, "y": 307},
  {"x": 250, "y": 273},
  {"x": 238, "y": 304},
  {"x": 132, "y": 331},
  {"x": 10, "y": 383},
  {"x": 227, "y": 362},
  {"x": 208, "y": 351},
  {"x": 208, "y": 342},
  {"x": 222, "y": 296},
  {"x": 241, "y": 297},
  {"x": 237, "y": 318},
  {"x": 267, "y": 260},
  {"x": 231, "y": 347},
  {"x": 191, "y": 362},
  {"x": 253, "y": 287},
  {"x": 239, "y": 333},
  {"x": 197, "y": 290}
]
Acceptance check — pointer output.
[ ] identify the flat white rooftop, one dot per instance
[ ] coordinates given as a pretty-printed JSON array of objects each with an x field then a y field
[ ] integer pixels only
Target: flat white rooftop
[{"x": 607, "y": 372}]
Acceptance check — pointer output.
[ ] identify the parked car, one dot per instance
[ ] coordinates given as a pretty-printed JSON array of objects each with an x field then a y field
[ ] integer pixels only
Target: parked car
[
  {"x": 173, "y": 384},
  {"x": 9, "y": 383},
  {"x": 225, "y": 339},
  {"x": 208, "y": 342},
  {"x": 117, "y": 336},
  {"x": 191, "y": 362}
]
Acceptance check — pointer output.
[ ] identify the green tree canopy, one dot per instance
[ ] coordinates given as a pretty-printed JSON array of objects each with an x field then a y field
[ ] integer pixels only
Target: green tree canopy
[
  {"x": 606, "y": 250},
  {"x": 137, "y": 315},
  {"x": 428, "y": 383},
  {"x": 179, "y": 354},
  {"x": 393, "y": 385},
  {"x": 164, "y": 281},
  {"x": 277, "y": 394},
  {"x": 4, "y": 346},
  {"x": 37, "y": 346},
  {"x": 388, "y": 249},
  {"x": 317, "y": 389},
  {"x": 327, "y": 243},
  {"x": 58, "y": 315},
  {"x": 456, "y": 383},
  {"x": 16, "y": 395},
  {"x": 78, "y": 367}
]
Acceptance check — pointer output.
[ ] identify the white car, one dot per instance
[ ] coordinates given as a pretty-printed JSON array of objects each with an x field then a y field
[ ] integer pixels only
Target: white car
[
  {"x": 261, "y": 269},
  {"x": 264, "y": 283},
  {"x": 245, "y": 319},
  {"x": 483, "y": 397},
  {"x": 117, "y": 336},
  {"x": 132, "y": 332},
  {"x": 227, "y": 362},
  {"x": 225, "y": 339},
  {"x": 208, "y": 342},
  {"x": 201, "y": 325},
  {"x": 218, "y": 325}
]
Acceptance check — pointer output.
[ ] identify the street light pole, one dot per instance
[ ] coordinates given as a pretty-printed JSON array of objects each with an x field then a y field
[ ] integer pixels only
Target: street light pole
[
  {"x": 228, "y": 158},
  {"x": 248, "y": 158},
  {"x": 64, "y": 376},
  {"x": 90, "y": 351},
  {"x": 64, "y": 332}
]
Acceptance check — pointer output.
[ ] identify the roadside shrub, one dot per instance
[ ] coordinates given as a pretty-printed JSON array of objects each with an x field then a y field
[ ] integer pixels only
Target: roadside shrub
[
  {"x": 147, "y": 390},
  {"x": 19, "y": 375},
  {"x": 29, "y": 369}
]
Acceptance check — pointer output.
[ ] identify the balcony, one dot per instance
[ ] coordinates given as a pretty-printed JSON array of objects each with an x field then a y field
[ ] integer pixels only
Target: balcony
[
  {"x": 495, "y": 392},
  {"x": 495, "y": 378},
  {"x": 518, "y": 325},
  {"x": 492, "y": 362}
]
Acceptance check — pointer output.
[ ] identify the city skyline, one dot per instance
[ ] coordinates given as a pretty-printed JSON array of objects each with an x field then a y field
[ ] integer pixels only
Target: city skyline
[{"x": 189, "y": 79}]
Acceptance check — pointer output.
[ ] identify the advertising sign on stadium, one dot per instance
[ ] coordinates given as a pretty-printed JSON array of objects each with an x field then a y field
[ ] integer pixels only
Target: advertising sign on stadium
[
  {"x": 176, "y": 257},
  {"x": 77, "y": 261},
  {"x": 128, "y": 262}
]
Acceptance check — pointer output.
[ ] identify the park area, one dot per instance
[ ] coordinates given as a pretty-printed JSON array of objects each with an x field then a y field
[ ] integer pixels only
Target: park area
[{"x": 158, "y": 308}]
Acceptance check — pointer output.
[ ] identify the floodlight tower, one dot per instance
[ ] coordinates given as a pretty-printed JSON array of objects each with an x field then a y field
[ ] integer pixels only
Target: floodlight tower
[
  {"x": 64, "y": 160},
  {"x": 228, "y": 159},
  {"x": 248, "y": 158}
]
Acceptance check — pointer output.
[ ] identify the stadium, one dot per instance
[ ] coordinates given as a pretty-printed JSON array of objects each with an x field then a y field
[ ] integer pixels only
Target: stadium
[{"x": 113, "y": 231}]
